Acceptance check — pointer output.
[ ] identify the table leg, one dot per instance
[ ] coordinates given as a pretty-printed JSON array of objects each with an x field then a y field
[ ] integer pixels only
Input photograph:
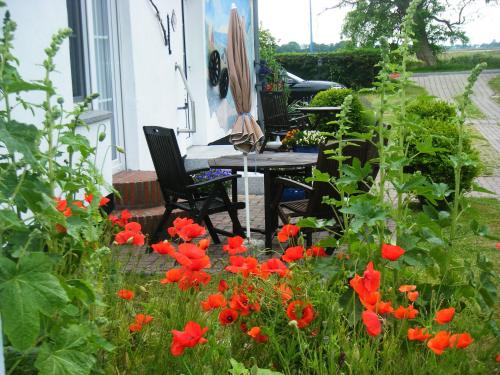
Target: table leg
[
  {"x": 234, "y": 193},
  {"x": 270, "y": 217}
]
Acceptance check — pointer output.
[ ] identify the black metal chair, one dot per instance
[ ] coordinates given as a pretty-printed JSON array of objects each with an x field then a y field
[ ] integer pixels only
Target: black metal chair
[
  {"x": 277, "y": 121},
  {"x": 181, "y": 192},
  {"x": 313, "y": 206}
]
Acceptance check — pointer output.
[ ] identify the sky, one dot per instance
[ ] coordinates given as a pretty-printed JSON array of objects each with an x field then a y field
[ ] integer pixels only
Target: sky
[{"x": 288, "y": 20}]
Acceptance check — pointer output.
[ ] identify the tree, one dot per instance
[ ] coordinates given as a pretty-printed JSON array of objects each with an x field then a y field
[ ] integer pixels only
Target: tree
[
  {"x": 289, "y": 47},
  {"x": 371, "y": 20}
]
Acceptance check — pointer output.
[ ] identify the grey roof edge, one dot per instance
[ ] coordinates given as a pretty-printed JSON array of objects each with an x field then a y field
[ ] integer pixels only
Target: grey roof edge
[{"x": 92, "y": 117}]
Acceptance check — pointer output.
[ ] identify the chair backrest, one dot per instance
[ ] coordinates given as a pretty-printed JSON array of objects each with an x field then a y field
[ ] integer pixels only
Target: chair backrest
[
  {"x": 275, "y": 109},
  {"x": 168, "y": 161},
  {"x": 362, "y": 150}
]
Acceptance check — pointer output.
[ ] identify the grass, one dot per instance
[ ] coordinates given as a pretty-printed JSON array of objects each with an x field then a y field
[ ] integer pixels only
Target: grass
[
  {"x": 460, "y": 61},
  {"x": 489, "y": 156},
  {"x": 494, "y": 83}
]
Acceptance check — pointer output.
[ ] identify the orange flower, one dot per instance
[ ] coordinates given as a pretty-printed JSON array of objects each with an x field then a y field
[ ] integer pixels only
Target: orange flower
[
  {"x": 293, "y": 253},
  {"x": 190, "y": 231},
  {"x": 407, "y": 288},
  {"x": 78, "y": 204},
  {"x": 255, "y": 333},
  {"x": 243, "y": 265},
  {"x": 370, "y": 282},
  {"x": 241, "y": 303},
  {"x": 285, "y": 291},
  {"x": 125, "y": 216},
  {"x": 418, "y": 334},
  {"x": 316, "y": 251},
  {"x": 384, "y": 307},
  {"x": 234, "y": 245},
  {"x": 88, "y": 198},
  {"x": 274, "y": 265},
  {"x": 143, "y": 319},
  {"x": 191, "y": 257},
  {"x": 163, "y": 247},
  {"x": 135, "y": 327},
  {"x": 204, "y": 243},
  {"x": 223, "y": 286},
  {"x": 172, "y": 276},
  {"x": 190, "y": 337},
  {"x": 213, "y": 301},
  {"x": 405, "y": 313},
  {"x": 460, "y": 340},
  {"x": 228, "y": 316},
  {"x": 130, "y": 235},
  {"x": 371, "y": 322},
  {"x": 303, "y": 316},
  {"x": 62, "y": 206},
  {"x": 125, "y": 294},
  {"x": 412, "y": 296},
  {"x": 445, "y": 315},
  {"x": 287, "y": 231},
  {"x": 439, "y": 342},
  {"x": 391, "y": 252},
  {"x": 497, "y": 358},
  {"x": 104, "y": 201}
]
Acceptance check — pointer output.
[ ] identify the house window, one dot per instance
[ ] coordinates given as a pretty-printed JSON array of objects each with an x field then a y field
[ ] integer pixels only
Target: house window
[{"x": 77, "y": 49}]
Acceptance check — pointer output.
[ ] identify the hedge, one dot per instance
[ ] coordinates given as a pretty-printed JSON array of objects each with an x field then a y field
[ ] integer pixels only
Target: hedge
[{"x": 353, "y": 68}]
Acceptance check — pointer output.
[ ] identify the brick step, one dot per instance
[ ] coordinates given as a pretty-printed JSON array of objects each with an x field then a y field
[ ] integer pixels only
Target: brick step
[{"x": 138, "y": 189}]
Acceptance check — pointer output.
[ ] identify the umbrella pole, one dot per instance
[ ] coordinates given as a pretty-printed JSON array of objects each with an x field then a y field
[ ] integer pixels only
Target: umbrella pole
[{"x": 247, "y": 199}]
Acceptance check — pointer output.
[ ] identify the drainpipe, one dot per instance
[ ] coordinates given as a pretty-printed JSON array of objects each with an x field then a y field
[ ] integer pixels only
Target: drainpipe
[{"x": 256, "y": 49}]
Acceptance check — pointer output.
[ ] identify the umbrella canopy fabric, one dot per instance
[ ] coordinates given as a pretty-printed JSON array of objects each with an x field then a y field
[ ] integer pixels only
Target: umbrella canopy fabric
[{"x": 246, "y": 135}]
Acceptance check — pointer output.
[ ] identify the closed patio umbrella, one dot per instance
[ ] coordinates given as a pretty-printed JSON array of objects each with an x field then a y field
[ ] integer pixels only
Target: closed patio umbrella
[{"x": 246, "y": 135}]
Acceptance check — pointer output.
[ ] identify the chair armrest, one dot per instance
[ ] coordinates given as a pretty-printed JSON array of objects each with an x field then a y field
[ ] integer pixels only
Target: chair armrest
[
  {"x": 292, "y": 183},
  {"x": 213, "y": 181}
]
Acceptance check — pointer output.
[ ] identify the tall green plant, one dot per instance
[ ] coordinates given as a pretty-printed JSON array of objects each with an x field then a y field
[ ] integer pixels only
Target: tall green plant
[{"x": 52, "y": 243}]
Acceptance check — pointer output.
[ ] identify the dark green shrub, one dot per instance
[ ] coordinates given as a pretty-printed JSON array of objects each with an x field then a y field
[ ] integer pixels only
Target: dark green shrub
[
  {"x": 438, "y": 167},
  {"x": 358, "y": 117},
  {"x": 427, "y": 107},
  {"x": 353, "y": 68}
]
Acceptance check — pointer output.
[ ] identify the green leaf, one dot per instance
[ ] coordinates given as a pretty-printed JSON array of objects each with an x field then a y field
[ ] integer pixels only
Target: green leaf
[
  {"x": 26, "y": 291},
  {"x": 238, "y": 368},
  {"x": 9, "y": 220},
  {"x": 312, "y": 222}
]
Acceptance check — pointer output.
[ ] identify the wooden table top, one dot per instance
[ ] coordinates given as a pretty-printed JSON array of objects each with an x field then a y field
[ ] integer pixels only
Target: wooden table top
[{"x": 266, "y": 160}]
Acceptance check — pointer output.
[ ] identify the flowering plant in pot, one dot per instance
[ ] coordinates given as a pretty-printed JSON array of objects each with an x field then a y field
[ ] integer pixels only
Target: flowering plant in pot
[{"x": 304, "y": 140}]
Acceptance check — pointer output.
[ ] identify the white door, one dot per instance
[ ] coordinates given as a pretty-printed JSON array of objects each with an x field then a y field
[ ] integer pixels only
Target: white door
[{"x": 105, "y": 69}]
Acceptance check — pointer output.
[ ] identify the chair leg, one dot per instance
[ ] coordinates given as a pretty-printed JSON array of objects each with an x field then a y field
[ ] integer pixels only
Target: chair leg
[
  {"x": 233, "y": 213},
  {"x": 160, "y": 225},
  {"x": 309, "y": 239},
  {"x": 211, "y": 229}
]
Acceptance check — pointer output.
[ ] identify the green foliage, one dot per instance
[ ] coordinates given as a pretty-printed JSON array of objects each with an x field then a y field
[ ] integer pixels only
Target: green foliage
[
  {"x": 437, "y": 166},
  {"x": 458, "y": 62},
  {"x": 354, "y": 68},
  {"x": 426, "y": 107},
  {"x": 358, "y": 118},
  {"x": 267, "y": 51}
]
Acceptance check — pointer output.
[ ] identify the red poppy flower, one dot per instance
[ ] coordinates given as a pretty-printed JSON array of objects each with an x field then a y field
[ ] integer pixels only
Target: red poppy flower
[
  {"x": 143, "y": 319},
  {"x": 78, "y": 204},
  {"x": 129, "y": 237},
  {"x": 191, "y": 251},
  {"x": 133, "y": 227},
  {"x": 172, "y": 276},
  {"x": 88, "y": 198},
  {"x": 243, "y": 265},
  {"x": 418, "y": 334},
  {"x": 371, "y": 322},
  {"x": 255, "y": 333},
  {"x": 412, "y": 296},
  {"x": 61, "y": 229},
  {"x": 178, "y": 224},
  {"x": 445, "y": 315},
  {"x": 407, "y": 288},
  {"x": 191, "y": 257},
  {"x": 190, "y": 231},
  {"x": 228, "y": 316},
  {"x": 241, "y": 303},
  {"x": 316, "y": 251},
  {"x": 193, "y": 279},
  {"x": 497, "y": 245},
  {"x": 460, "y": 340},
  {"x": 61, "y": 204},
  {"x": 204, "y": 243},
  {"x": 104, "y": 201},
  {"x": 163, "y": 248},
  {"x": 497, "y": 358},
  {"x": 125, "y": 294},
  {"x": 384, "y": 307},
  {"x": 287, "y": 231},
  {"x": 213, "y": 301},
  {"x": 391, "y": 252},
  {"x": 285, "y": 292},
  {"x": 172, "y": 232},
  {"x": 293, "y": 253},
  {"x": 274, "y": 265},
  {"x": 135, "y": 327},
  {"x": 405, "y": 312},
  {"x": 301, "y": 312},
  {"x": 126, "y": 215},
  {"x": 121, "y": 221},
  {"x": 234, "y": 245},
  {"x": 439, "y": 342},
  {"x": 371, "y": 278},
  {"x": 223, "y": 286},
  {"x": 190, "y": 337}
]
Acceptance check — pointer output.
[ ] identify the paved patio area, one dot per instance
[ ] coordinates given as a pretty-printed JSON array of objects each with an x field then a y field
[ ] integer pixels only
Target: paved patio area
[{"x": 450, "y": 84}]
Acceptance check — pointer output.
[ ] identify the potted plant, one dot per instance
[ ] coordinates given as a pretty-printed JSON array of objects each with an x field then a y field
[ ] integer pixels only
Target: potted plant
[{"x": 304, "y": 140}]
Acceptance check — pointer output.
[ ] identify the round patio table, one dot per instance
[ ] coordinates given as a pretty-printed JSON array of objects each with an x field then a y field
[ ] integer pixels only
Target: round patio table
[
  {"x": 319, "y": 110},
  {"x": 271, "y": 165}
]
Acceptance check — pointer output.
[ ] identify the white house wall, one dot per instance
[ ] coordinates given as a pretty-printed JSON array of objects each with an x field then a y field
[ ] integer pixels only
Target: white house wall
[{"x": 36, "y": 22}]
